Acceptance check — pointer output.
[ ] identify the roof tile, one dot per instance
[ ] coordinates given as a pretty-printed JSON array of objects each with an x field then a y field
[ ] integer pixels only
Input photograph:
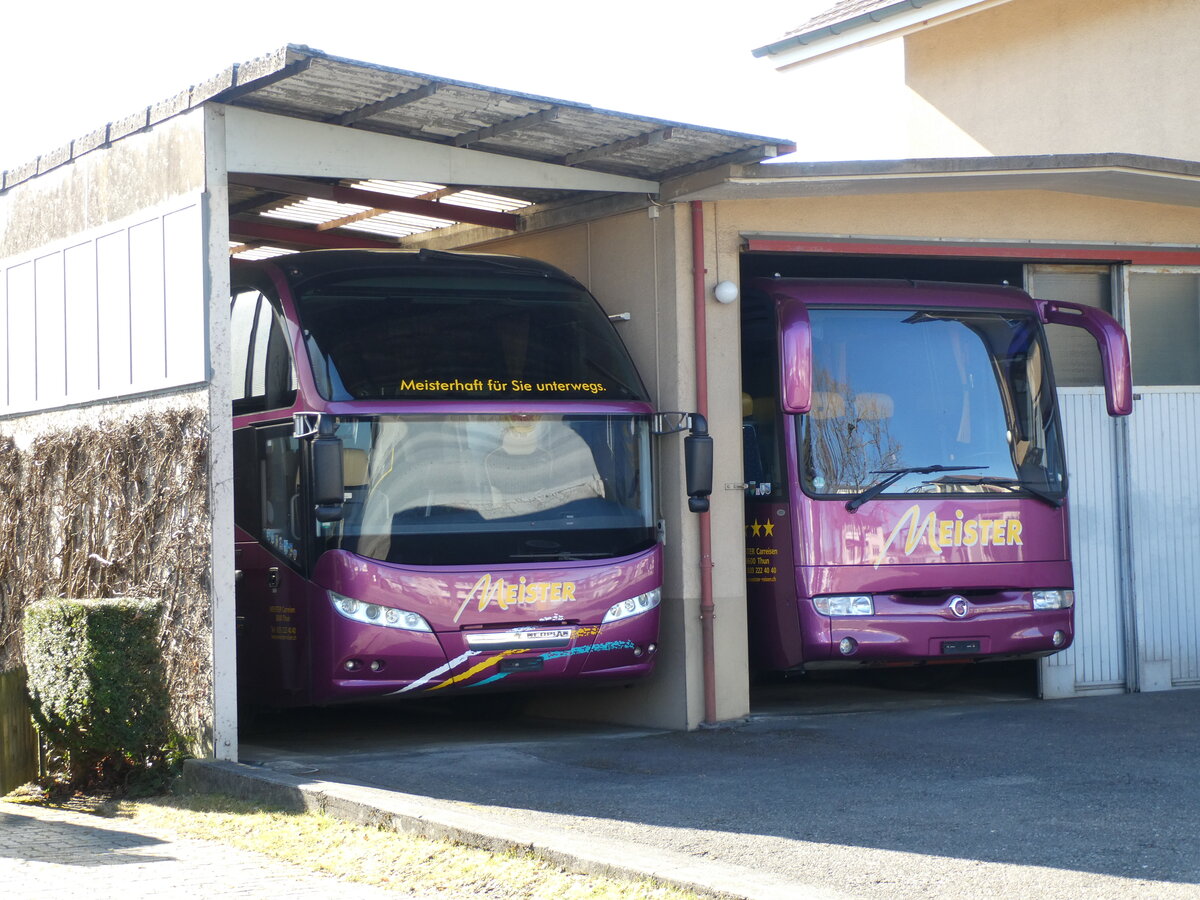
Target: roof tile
[{"x": 840, "y": 12}]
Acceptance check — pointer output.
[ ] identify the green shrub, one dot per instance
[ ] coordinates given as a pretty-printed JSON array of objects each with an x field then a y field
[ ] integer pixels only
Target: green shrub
[{"x": 97, "y": 689}]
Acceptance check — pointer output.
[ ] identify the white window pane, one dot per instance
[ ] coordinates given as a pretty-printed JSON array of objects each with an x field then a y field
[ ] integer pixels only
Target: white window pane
[{"x": 245, "y": 308}]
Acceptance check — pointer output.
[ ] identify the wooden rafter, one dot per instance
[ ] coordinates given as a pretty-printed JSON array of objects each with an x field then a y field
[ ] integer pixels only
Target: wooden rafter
[
  {"x": 377, "y": 200},
  {"x": 351, "y": 219}
]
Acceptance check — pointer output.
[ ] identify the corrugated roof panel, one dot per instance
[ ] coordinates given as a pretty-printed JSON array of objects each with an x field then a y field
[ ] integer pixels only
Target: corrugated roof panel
[
  {"x": 841, "y": 11},
  {"x": 396, "y": 224},
  {"x": 257, "y": 252},
  {"x": 480, "y": 200},
  {"x": 315, "y": 212},
  {"x": 331, "y": 87},
  {"x": 304, "y": 83},
  {"x": 399, "y": 188}
]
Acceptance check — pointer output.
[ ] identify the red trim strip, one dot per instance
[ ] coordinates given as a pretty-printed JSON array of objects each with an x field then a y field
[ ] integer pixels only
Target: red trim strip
[
  {"x": 304, "y": 237},
  {"x": 447, "y": 211},
  {"x": 1135, "y": 255}
]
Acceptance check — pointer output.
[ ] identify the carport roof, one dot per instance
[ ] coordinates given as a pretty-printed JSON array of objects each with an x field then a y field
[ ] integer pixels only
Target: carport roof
[{"x": 303, "y": 83}]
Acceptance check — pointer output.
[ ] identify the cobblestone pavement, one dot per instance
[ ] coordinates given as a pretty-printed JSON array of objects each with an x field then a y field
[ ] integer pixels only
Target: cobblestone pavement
[{"x": 73, "y": 854}]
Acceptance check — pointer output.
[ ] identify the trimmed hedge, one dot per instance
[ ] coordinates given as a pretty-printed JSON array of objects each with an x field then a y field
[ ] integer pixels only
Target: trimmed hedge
[
  {"x": 97, "y": 687},
  {"x": 116, "y": 507}
]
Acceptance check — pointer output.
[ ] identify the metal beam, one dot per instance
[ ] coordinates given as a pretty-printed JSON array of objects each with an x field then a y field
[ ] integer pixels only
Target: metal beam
[
  {"x": 258, "y": 142},
  {"x": 376, "y": 200}
]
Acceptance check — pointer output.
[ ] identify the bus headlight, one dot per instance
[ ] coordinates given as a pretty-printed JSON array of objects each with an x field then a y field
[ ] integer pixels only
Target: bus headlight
[
  {"x": 845, "y": 605},
  {"x": 376, "y": 614},
  {"x": 1053, "y": 599},
  {"x": 633, "y": 606}
]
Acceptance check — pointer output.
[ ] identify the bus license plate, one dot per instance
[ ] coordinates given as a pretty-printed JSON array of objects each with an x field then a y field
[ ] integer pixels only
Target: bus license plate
[
  {"x": 952, "y": 647},
  {"x": 513, "y": 640}
]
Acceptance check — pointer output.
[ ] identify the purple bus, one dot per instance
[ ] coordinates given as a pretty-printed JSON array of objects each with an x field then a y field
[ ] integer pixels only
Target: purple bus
[
  {"x": 905, "y": 476},
  {"x": 442, "y": 467}
]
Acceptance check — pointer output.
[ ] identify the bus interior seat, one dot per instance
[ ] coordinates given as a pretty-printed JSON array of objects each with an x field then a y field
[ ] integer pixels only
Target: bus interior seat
[
  {"x": 874, "y": 406},
  {"x": 355, "y": 480},
  {"x": 354, "y": 468},
  {"x": 613, "y": 464},
  {"x": 538, "y": 466},
  {"x": 1025, "y": 447},
  {"x": 827, "y": 405},
  {"x": 752, "y": 464}
]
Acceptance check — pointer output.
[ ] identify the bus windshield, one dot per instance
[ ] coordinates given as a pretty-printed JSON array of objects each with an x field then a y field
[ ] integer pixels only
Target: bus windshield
[
  {"x": 968, "y": 391},
  {"x": 482, "y": 489},
  {"x": 401, "y": 334}
]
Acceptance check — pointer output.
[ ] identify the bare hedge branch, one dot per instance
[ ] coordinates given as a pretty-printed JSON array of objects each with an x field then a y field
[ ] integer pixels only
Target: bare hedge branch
[{"x": 116, "y": 509}]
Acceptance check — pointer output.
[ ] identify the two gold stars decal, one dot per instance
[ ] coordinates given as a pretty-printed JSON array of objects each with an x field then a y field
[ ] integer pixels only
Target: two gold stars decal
[{"x": 758, "y": 529}]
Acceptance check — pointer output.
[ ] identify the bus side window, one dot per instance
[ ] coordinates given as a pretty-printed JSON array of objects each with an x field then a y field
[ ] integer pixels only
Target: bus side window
[
  {"x": 247, "y": 499},
  {"x": 760, "y": 447},
  {"x": 283, "y": 512},
  {"x": 263, "y": 374}
]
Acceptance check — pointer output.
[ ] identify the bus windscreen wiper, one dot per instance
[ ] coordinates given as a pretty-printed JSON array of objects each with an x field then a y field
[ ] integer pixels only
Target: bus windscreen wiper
[
  {"x": 894, "y": 475},
  {"x": 1013, "y": 485}
]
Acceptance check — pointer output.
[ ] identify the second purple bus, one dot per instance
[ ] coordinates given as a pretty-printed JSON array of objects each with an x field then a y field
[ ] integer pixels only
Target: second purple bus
[
  {"x": 443, "y": 480},
  {"x": 907, "y": 483}
]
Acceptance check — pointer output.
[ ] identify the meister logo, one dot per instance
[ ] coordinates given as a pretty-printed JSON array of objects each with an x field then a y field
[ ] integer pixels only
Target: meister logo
[
  {"x": 517, "y": 593},
  {"x": 956, "y": 532}
]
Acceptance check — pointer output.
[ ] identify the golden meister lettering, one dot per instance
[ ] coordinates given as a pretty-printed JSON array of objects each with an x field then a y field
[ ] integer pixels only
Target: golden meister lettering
[
  {"x": 504, "y": 594},
  {"x": 955, "y": 532}
]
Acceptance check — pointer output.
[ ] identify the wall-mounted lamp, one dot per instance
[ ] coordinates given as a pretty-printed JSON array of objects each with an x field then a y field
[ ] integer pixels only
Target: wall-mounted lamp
[{"x": 726, "y": 292}]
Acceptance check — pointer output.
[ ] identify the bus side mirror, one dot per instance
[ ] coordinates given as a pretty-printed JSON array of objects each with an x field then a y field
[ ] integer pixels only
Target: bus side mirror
[
  {"x": 1110, "y": 338},
  {"x": 698, "y": 464},
  {"x": 329, "y": 490},
  {"x": 795, "y": 357}
]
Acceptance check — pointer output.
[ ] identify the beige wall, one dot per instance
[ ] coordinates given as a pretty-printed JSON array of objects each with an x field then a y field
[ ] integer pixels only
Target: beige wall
[
  {"x": 97, "y": 194},
  {"x": 1037, "y": 216},
  {"x": 1058, "y": 76},
  {"x": 641, "y": 264},
  {"x": 637, "y": 264}
]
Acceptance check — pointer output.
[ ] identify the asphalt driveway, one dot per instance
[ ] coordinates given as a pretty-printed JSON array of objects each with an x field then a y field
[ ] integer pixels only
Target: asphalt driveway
[{"x": 859, "y": 793}]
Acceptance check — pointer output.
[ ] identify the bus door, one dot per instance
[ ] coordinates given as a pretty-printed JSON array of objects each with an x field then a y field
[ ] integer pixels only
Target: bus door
[
  {"x": 770, "y": 572},
  {"x": 274, "y": 524}
]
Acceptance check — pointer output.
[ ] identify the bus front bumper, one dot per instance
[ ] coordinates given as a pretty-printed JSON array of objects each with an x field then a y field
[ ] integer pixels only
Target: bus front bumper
[
  {"x": 936, "y": 636},
  {"x": 407, "y": 665}
]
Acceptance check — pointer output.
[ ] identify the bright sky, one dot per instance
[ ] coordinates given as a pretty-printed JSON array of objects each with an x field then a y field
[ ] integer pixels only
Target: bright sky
[{"x": 68, "y": 68}]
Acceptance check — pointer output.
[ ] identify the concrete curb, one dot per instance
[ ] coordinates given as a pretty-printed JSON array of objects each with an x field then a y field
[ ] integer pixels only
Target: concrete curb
[{"x": 470, "y": 825}]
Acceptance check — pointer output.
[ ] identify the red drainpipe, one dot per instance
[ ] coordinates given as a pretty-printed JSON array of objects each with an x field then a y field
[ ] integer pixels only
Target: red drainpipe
[{"x": 707, "y": 607}]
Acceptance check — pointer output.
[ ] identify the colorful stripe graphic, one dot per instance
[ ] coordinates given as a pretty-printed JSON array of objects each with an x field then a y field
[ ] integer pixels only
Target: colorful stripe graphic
[{"x": 485, "y": 664}]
